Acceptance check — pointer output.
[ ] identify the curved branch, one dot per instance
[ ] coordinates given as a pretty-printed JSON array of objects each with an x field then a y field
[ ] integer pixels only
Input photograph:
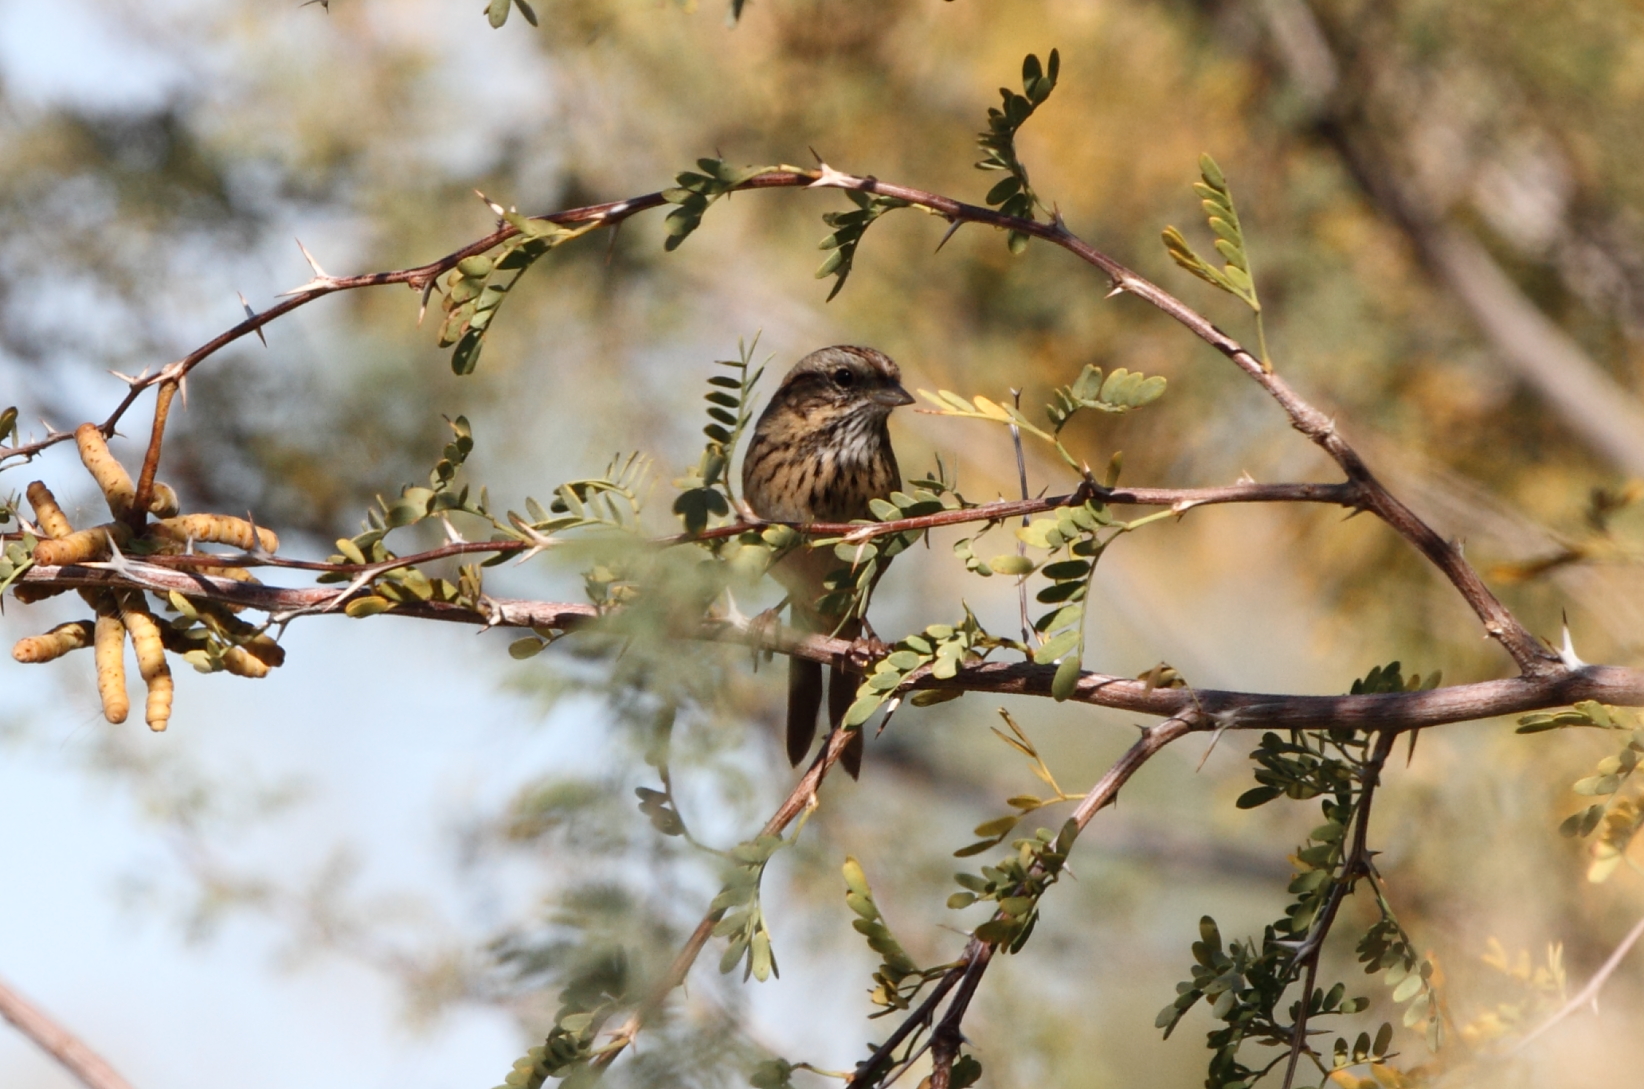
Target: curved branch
[
  {"x": 1499, "y": 623},
  {"x": 419, "y": 277}
]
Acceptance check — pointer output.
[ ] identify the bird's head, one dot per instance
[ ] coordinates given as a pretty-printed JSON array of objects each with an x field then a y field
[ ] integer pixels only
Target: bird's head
[{"x": 846, "y": 379}]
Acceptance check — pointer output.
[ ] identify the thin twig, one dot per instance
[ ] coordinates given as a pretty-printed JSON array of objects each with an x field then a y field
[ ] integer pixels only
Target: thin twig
[
  {"x": 1180, "y": 500},
  {"x": 138, "y": 515},
  {"x": 1354, "y": 866},
  {"x": 61, "y": 1044},
  {"x": 801, "y": 797},
  {"x": 1021, "y": 545},
  {"x": 1588, "y": 994}
]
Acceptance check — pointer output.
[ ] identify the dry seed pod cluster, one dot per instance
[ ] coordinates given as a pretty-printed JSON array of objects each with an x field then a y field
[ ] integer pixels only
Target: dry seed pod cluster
[{"x": 207, "y": 636}]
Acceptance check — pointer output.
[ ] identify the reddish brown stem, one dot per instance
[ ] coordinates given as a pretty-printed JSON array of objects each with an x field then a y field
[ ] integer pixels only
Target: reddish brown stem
[
  {"x": 1354, "y": 866},
  {"x": 1231, "y": 710},
  {"x": 137, "y": 517},
  {"x": 1180, "y": 499},
  {"x": 58, "y": 1042}
]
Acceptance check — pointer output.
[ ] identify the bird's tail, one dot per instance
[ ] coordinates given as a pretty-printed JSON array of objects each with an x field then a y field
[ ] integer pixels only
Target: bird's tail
[{"x": 804, "y": 701}]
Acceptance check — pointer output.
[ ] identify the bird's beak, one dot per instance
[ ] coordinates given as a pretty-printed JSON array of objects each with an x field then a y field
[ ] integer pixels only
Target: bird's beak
[{"x": 892, "y": 395}]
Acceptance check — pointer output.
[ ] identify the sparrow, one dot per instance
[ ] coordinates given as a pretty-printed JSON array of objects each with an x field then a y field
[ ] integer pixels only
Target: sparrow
[{"x": 819, "y": 453}]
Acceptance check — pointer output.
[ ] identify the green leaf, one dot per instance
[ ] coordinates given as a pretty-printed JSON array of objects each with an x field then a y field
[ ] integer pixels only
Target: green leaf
[
  {"x": 466, "y": 356},
  {"x": 773, "y": 1073},
  {"x": 530, "y": 646},
  {"x": 1258, "y": 796},
  {"x": 863, "y": 709},
  {"x": 497, "y": 12},
  {"x": 1066, "y": 680},
  {"x": 1066, "y": 569},
  {"x": 1408, "y": 987},
  {"x": 1009, "y": 564},
  {"x": 370, "y": 605},
  {"x": 1058, "y": 645}
]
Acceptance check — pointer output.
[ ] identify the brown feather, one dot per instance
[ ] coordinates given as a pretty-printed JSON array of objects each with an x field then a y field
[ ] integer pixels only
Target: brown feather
[{"x": 819, "y": 453}]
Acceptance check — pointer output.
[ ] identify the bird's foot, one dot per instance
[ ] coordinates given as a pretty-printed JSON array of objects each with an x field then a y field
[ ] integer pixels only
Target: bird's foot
[
  {"x": 868, "y": 647},
  {"x": 761, "y": 627}
]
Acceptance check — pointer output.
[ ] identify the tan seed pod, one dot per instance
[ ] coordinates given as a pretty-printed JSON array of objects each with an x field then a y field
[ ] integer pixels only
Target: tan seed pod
[
  {"x": 242, "y": 664},
  {"x": 52, "y": 521},
  {"x": 162, "y": 501},
  {"x": 110, "y": 475},
  {"x": 29, "y": 593},
  {"x": 165, "y": 546},
  {"x": 111, "y": 667},
  {"x": 101, "y": 601},
  {"x": 215, "y": 529},
  {"x": 158, "y": 711},
  {"x": 145, "y": 637},
  {"x": 151, "y": 659},
  {"x": 265, "y": 650},
  {"x": 81, "y": 545},
  {"x": 238, "y": 574},
  {"x": 54, "y": 643}
]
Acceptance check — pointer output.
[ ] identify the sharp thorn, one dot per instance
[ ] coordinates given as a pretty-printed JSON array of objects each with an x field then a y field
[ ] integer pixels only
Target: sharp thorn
[
  {"x": 250, "y": 313},
  {"x": 319, "y": 273},
  {"x": 427, "y": 292}
]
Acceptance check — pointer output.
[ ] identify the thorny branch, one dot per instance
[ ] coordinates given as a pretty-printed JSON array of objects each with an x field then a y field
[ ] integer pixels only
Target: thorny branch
[
  {"x": 1179, "y": 500},
  {"x": 1530, "y": 657},
  {"x": 1230, "y": 710}
]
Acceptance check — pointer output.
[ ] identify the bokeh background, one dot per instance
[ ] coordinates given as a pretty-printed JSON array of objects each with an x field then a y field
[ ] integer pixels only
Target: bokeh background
[{"x": 371, "y": 868}]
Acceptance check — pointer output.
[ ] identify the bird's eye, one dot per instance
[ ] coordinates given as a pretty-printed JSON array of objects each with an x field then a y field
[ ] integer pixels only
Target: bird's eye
[{"x": 843, "y": 377}]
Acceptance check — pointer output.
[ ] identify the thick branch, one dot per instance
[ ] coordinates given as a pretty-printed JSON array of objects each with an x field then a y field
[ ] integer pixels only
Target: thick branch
[
  {"x": 1228, "y": 709},
  {"x": 59, "y": 1042}
]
